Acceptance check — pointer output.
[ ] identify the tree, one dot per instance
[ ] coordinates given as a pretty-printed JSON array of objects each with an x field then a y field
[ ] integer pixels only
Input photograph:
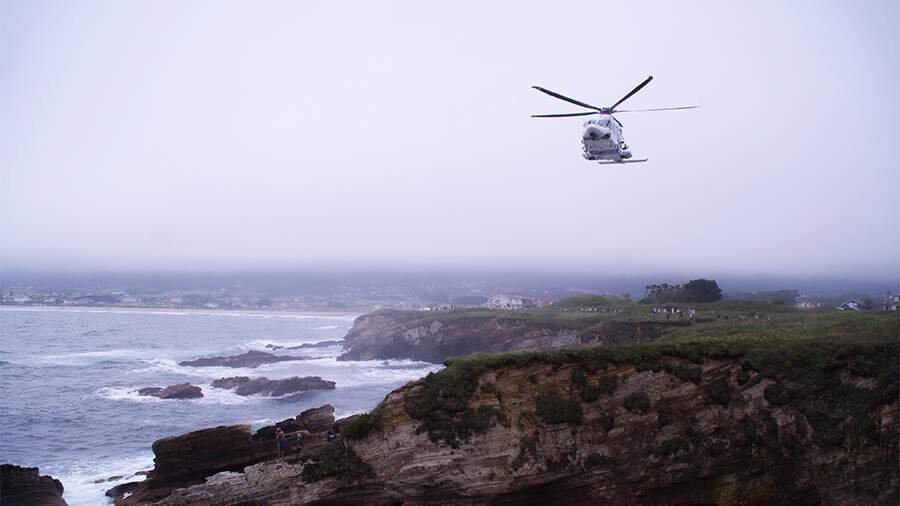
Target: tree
[{"x": 702, "y": 290}]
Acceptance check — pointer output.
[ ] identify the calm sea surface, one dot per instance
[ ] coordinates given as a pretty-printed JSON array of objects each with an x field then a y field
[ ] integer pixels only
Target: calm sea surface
[{"x": 68, "y": 379}]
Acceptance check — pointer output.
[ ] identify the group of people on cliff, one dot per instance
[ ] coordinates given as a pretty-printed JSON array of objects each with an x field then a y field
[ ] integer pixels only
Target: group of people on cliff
[{"x": 284, "y": 447}]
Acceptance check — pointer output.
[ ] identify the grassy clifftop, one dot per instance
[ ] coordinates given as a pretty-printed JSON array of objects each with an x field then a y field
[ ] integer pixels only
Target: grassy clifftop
[
  {"x": 803, "y": 354},
  {"x": 582, "y": 312}
]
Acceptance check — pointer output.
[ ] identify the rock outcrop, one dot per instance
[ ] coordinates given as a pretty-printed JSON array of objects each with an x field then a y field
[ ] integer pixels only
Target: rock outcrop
[
  {"x": 25, "y": 486},
  {"x": 396, "y": 334},
  {"x": 250, "y": 359},
  {"x": 189, "y": 459},
  {"x": 179, "y": 391},
  {"x": 230, "y": 382},
  {"x": 273, "y": 388},
  {"x": 729, "y": 422}
]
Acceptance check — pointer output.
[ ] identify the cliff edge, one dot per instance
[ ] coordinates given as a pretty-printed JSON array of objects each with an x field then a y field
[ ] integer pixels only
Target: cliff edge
[{"x": 802, "y": 413}]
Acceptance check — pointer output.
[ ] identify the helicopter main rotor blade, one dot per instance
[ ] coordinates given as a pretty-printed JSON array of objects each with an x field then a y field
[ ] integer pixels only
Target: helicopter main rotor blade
[
  {"x": 567, "y": 99},
  {"x": 660, "y": 109},
  {"x": 562, "y": 115},
  {"x": 632, "y": 92}
]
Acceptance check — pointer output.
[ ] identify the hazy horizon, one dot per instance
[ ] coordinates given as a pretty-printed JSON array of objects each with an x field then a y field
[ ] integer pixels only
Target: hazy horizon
[{"x": 224, "y": 136}]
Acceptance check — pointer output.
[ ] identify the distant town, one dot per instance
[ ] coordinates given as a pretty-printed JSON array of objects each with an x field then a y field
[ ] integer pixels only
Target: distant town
[{"x": 363, "y": 299}]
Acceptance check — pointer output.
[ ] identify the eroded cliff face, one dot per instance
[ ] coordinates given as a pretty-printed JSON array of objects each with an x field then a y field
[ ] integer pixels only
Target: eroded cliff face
[
  {"x": 26, "y": 486},
  {"x": 677, "y": 429},
  {"x": 395, "y": 334}
]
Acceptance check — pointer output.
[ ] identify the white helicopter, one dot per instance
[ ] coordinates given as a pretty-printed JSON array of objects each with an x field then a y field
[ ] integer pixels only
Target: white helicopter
[{"x": 602, "y": 138}]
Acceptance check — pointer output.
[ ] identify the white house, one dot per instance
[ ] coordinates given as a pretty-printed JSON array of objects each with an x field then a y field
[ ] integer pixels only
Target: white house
[
  {"x": 804, "y": 302},
  {"x": 850, "y": 305},
  {"x": 510, "y": 302}
]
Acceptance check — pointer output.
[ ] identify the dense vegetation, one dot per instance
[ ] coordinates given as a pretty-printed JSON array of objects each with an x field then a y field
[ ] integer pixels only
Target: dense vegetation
[
  {"x": 696, "y": 290},
  {"x": 332, "y": 460}
]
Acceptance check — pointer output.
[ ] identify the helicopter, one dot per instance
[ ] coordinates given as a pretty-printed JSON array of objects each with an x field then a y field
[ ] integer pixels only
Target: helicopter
[{"x": 602, "y": 139}]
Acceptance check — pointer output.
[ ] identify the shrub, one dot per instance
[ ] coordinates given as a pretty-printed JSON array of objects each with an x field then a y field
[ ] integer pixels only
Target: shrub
[
  {"x": 608, "y": 384},
  {"x": 590, "y": 393},
  {"x": 578, "y": 378},
  {"x": 358, "y": 427},
  {"x": 335, "y": 460},
  {"x": 488, "y": 388},
  {"x": 672, "y": 446},
  {"x": 777, "y": 394},
  {"x": 637, "y": 402},
  {"x": 692, "y": 374},
  {"x": 719, "y": 391},
  {"x": 442, "y": 404},
  {"x": 664, "y": 414},
  {"x": 552, "y": 408},
  {"x": 594, "y": 460}
]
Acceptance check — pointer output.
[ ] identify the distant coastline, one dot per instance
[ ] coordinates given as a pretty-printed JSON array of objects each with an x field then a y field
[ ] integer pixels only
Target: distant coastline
[{"x": 178, "y": 310}]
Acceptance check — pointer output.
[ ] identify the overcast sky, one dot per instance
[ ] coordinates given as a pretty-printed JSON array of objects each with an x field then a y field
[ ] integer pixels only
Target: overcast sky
[{"x": 285, "y": 134}]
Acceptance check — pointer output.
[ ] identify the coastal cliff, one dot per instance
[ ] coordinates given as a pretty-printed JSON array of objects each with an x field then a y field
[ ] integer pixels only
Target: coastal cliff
[
  {"x": 26, "y": 486},
  {"x": 748, "y": 416},
  {"x": 415, "y": 335}
]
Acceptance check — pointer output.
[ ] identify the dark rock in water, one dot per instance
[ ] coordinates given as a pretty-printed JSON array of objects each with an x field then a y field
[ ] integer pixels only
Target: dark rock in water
[
  {"x": 179, "y": 391},
  {"x": 295, "y": 398},
  {"x": 250, "y": 359},
  {"x": 273, "y": 388},
  {"x": 25, "y": 486},
  {"x": 277, "y": 388},
  {"x": 111, "y": 478},
  {"x": 230, "y": 382},
  {"x": 120, "y": 490}
]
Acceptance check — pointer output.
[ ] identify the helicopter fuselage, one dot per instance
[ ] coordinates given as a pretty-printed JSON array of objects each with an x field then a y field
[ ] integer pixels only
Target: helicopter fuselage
[{"x": 602, "y": 139}]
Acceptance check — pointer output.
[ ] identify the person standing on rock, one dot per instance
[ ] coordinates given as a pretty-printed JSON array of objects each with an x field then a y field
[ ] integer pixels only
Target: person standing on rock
[
  {"x": 281, "y": 441},
  {"x": 300, "y": 436}
]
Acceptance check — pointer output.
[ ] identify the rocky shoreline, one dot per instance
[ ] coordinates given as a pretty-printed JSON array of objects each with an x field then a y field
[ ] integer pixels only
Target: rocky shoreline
[
  {"x": 631, "y": 425},
  {"x": 738, "y": 415}
]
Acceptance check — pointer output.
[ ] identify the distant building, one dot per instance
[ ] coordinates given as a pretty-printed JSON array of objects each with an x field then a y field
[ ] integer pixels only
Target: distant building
[
  {"x": 21, "y": 299},
  {"x": 892, "y": 303},
  {"x": 850, "y": 305},
  {"x": 510, "y": 302},
  {"x": 805, "y": 302}
]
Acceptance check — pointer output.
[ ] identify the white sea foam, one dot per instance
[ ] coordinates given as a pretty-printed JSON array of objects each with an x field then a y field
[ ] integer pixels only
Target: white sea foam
[
  {"x": 267, "y": 344},
  {"x": 78, "y": 477},
  {"x": 90, "y": 357},
  {"x": 210, "y": 396}
]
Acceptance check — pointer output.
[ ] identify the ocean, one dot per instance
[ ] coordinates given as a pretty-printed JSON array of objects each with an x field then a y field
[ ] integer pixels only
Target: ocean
[{"x": 68, "y": 378}]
